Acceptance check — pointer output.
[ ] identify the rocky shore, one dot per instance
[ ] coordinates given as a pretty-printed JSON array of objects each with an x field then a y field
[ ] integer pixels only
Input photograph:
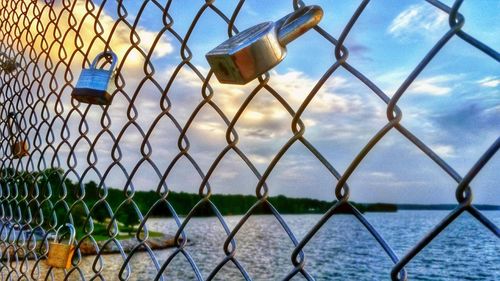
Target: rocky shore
[
  {"x": 88, "y": 248},
  {"x": 155, "y": 243}
]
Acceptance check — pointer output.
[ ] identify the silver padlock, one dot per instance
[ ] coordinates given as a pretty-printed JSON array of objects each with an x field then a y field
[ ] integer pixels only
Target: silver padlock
[
  {"x": 95, "y": 85},
  {"x": 256, "y": 50}
]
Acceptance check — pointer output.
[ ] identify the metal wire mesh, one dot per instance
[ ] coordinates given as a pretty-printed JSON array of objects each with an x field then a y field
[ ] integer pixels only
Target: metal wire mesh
[{"x": 50, "y": 42}]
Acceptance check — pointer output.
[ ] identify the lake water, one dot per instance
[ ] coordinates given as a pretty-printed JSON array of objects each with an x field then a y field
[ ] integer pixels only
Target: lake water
[{"x": 342, "y": 250}]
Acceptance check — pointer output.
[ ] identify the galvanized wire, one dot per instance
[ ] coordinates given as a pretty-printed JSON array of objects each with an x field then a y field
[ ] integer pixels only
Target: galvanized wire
[{"x": 41, "y": 48}]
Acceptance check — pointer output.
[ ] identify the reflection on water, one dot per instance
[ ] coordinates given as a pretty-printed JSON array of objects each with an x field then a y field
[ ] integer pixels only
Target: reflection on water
[{"x": 341, "y": 250}]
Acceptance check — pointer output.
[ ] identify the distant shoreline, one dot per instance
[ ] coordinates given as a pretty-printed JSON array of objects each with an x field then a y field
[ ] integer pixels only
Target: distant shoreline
[
  {"x": 441, "y": 207},
  {"x": 173, "y": 203},
  {"x": 237, "y": 204}
]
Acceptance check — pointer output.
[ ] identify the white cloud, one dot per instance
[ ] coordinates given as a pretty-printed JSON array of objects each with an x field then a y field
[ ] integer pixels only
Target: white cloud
[
  {"x": 446, "y": 151},
  {"x": 163, "y": 47},
  {"x": 490, "y": 81},
  {"x": 264, "y": 114},
  {"x": 120, "y": 42},
  {"x": 391, "y": 80},
  {"x": 296, "y": 85},
  {"x": 439, "y": 85},
  {"x": 382, "y": 175},
  {"x": 422, "y": 19},
  {"x": 388, "y": 179},
  {"x": 495, "y": 110}
]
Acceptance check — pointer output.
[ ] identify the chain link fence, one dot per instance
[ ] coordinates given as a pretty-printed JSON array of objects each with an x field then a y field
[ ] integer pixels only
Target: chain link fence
[{"x": 50, "y": 141}]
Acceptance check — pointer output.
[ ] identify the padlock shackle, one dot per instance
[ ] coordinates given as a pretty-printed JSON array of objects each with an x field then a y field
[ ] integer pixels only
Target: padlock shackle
[
  {"x": 114, "y": 59},
  {"x": 297, "y": 23},
  {"x": 72, "y": 233}
]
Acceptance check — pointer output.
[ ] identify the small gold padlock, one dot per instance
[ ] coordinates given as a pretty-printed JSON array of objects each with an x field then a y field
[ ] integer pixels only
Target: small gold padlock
[
  {"x": 20, "y": 149},
  {"x": 60, "y": 255}
]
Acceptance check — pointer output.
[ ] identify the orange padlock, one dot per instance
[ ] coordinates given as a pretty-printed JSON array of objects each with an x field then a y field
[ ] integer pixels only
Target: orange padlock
[
  {"x": 20, "y": 149},
  {"x": 60, "y": 255}
]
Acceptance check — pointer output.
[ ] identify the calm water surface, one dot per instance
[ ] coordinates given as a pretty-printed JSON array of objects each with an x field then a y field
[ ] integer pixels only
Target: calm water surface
[{"x": 342, "y": 250}]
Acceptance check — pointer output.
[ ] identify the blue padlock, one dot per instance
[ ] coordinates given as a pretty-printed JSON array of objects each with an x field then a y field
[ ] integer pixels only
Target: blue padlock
[{"x": 95, "y": 85}]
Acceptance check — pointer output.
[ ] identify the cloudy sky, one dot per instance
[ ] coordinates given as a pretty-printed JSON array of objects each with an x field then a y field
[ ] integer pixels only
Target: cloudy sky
[{"x": 453, "y": 106}]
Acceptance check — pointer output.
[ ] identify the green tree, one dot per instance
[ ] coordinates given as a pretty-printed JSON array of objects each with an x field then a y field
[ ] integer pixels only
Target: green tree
[
  {"x": 128, "y": 217},
  {"x": 91, "y": 191},
  {"x": 100, "y": 212},
  {"x": 79, "y": 215}
]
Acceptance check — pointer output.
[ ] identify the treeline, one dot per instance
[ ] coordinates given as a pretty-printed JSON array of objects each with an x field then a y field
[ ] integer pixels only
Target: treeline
[
  {"x": 57, "y": 198},
  {"x": 227, "y": 204},
  {"x": 151, "y": 202}
]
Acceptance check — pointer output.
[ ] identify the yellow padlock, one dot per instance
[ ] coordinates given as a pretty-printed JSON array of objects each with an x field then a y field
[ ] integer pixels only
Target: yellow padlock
[{"x": 60, "y": 255}]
